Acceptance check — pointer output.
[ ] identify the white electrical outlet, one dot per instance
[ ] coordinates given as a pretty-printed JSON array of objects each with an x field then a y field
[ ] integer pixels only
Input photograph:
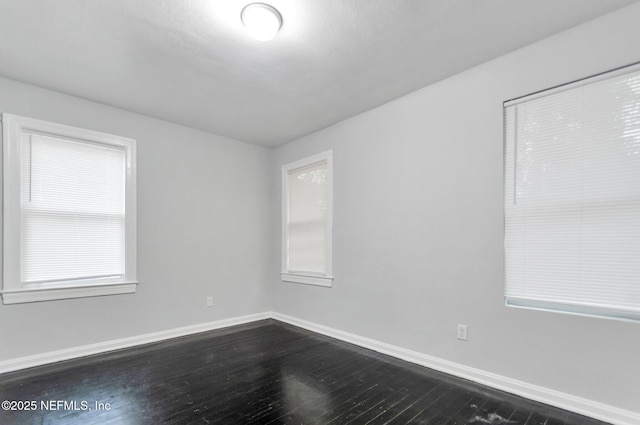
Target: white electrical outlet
[
  {"x": 209, "y": 301},
  {"x": 462, "y": 332}
]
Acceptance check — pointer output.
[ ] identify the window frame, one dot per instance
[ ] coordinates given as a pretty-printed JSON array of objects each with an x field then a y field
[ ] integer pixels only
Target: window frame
[
  {"x": 287, "y": 275},
  {"x": 13, "y": 291}
]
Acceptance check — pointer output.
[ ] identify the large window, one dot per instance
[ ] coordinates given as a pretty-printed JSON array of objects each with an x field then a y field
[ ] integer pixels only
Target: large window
[
  {"x": 69, "y": 212},
  {"x": 572, "y": 197},
  {"x": 307, "y": 218}
]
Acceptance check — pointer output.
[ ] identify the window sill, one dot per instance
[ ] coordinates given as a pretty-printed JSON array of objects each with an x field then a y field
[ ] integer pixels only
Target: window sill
[
  {"x": 49, "y": 294},
  {"x": 326, "y": 281},
  {"x": 575, "y": 309}
]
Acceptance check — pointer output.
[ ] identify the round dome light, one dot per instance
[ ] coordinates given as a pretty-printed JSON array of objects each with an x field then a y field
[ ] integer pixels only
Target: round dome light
[{"x": 261, "y": 20}]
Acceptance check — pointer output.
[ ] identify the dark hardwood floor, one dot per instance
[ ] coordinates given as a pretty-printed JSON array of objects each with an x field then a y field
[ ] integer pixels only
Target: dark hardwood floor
[{"x": 261, "y": 373}]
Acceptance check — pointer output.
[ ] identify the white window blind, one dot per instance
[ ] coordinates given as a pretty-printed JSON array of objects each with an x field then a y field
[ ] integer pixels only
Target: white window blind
[
  {"x": 572, "y": 197},
  {"x": 73, "y": 210},
  {"x": 308, "y": 219}
]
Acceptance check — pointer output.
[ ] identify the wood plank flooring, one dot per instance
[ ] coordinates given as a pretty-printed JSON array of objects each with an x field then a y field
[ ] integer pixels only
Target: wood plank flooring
[{"x": 261, "y": 373}]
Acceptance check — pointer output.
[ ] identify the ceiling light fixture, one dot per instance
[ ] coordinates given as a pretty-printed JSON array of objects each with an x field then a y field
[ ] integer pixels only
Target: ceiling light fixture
[{"x": 261, "y": 20}]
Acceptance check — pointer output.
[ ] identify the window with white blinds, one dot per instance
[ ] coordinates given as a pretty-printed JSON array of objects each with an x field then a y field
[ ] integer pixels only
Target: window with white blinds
[
  {"x": 71, "y": 202},
  {"x": 572, "y": 197},
  {"x": 72, "y": 223},
  {"x": 307, "y": 214}
]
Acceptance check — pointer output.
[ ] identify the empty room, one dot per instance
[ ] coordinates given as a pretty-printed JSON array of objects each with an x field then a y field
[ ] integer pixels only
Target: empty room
[{"x": 320, "y": 212}]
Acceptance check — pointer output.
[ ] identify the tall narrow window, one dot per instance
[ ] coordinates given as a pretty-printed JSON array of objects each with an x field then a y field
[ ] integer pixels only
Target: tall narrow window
[
  {"x": 69, "y": 212},
  {"x": 307, "y": 218},
  {"x": 572, "y": 197}
]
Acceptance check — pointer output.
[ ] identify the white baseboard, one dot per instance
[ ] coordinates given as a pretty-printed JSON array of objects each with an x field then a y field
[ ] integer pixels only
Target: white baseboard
[
  {"x": 548, "y": 396},
  {"x": 101, "y": 347}
]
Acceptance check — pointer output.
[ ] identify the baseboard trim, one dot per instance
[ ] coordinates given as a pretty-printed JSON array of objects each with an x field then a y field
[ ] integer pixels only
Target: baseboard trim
[
  {"x": 548, "y": 396},
  {"x": 117, "y": 344}
]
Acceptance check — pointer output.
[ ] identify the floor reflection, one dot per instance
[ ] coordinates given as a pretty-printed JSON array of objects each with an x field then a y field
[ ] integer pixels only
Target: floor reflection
[{"x": 305, "y": 398}]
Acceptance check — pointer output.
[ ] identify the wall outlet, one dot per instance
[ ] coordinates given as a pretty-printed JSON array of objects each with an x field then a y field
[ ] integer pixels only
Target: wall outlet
[
  {"x": 462, "y": 332},
  {"x": 209, "y": 301}
]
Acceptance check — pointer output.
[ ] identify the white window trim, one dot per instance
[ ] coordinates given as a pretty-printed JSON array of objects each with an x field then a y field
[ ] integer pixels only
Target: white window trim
[
  {"x": 287, "y": 275},
  {"x": 12, "y": 290}
]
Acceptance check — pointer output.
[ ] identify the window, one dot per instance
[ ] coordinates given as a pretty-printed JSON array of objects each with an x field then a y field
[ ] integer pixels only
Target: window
[
  {"x": 69, "y": 212},
  {"x": 307, "y": 220},
  {"x": 572, "y": 197}
]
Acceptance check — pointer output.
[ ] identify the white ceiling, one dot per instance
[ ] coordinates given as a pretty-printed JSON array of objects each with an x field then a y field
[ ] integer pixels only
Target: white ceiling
[{"x": 190, "y": 62}]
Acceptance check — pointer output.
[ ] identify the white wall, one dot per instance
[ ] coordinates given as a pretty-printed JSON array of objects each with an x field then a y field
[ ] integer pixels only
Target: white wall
[
  {"x": 418, "y": 226},
  {"x": 202, "y": 230}
]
